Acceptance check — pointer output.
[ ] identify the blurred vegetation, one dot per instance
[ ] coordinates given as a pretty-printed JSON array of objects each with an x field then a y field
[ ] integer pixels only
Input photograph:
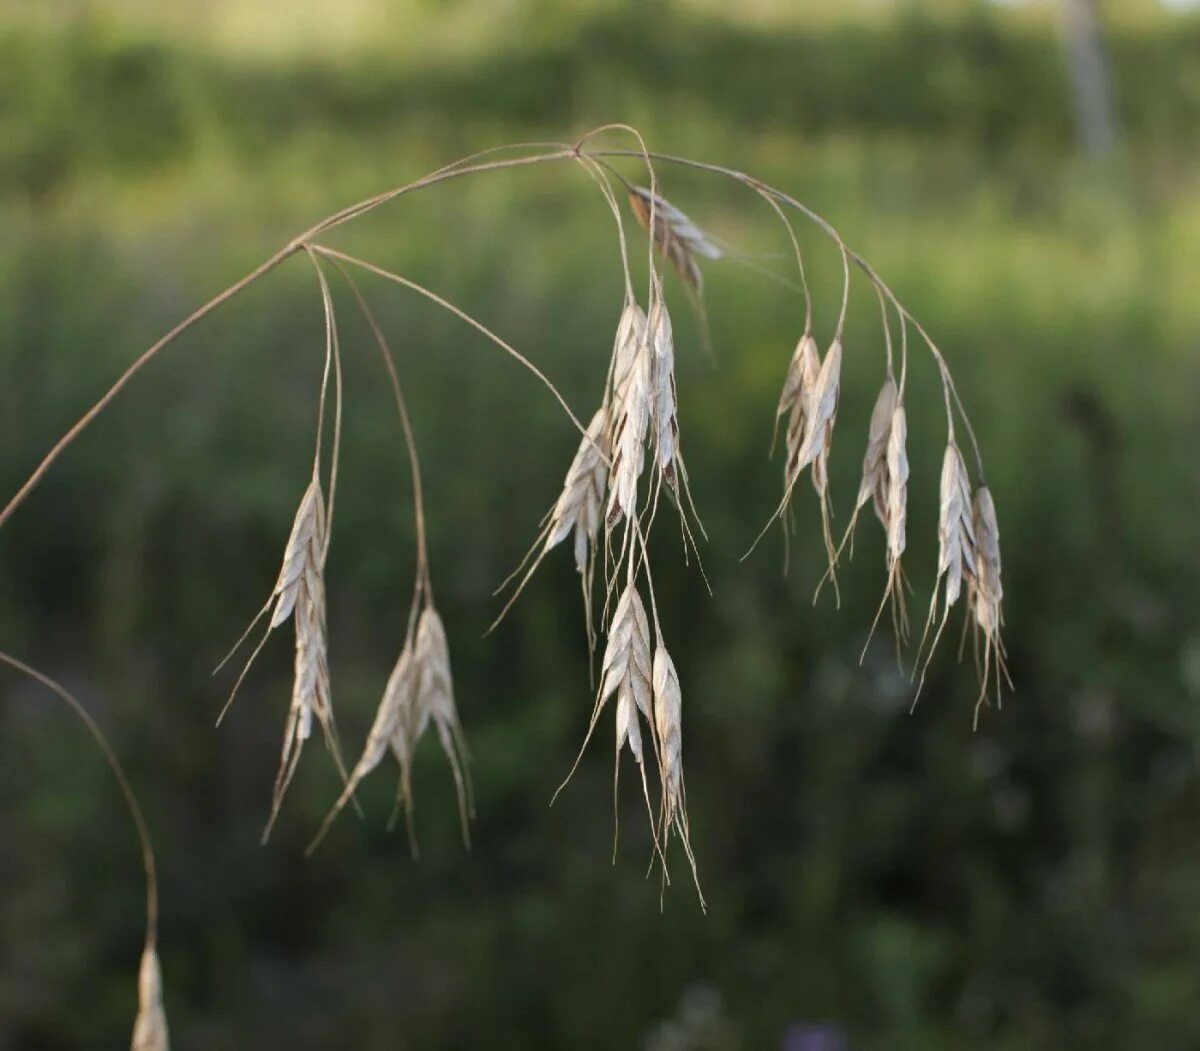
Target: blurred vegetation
[{"x": 896, "y": 879}]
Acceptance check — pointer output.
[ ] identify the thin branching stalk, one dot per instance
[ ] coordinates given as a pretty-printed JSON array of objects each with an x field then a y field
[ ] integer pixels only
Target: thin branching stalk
[{"x": 629, "y": 453}]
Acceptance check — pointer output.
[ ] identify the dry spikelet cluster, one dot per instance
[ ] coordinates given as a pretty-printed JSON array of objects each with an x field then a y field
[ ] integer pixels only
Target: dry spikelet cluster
[
  {"x": 299, "y": 593},
  {"x": 608, "y": 503},
  {"x": 419, "y": 692}
]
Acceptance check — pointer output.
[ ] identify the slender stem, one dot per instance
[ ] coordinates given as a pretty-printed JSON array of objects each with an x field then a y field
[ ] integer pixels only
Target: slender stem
[
  {"x": 293, "y": 246},
  {"x": 389, "y": 362},
  {"x": 135, "y": 810},
  {"x": 333, "y": 354},
  {"x": 459, "y": 313}
]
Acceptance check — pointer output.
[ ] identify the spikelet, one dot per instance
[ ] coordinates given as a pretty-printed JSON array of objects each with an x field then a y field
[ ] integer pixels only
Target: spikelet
[
  {"x": 578, "y": 506},
  {"x": 873, "y": 486},
  {"x": 818, "y": 441},
  {"x": 628, "y": 346},
  {"x": 150, "y": 1026},
  {"x": 435, "y": 703},
  {"x": 668, "y": 721},
  {"x": 668, "y": 455},
  {"x": 626, "y": 675},
  {"x": 301, "y": 591},
  {"x": 676, "y": 237},
  {"x": 884, "y": 484},
  {"x": 578, "y": 511},
  {"x": 895, "y": 501},
  {"x": 632, "y": 402},
  {"x": 986, "y": 593},
  {"x": 393, "y": 725},
  {"x": 666, "y": 412},
  {"x": 419, "y": 693},
  {"x": 794, "y": 400},
  {"x": 956, "y": 545}
]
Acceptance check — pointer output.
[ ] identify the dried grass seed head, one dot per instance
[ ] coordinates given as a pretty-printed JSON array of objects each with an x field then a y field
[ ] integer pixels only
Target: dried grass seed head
[
  {"x": 308, "y": 531},
  {"x": 822, "y": 414},
  {"x": 631, "y": 411},
  {"x": 666, "y": 418},
  {"x": 626, "y": 668},
  {"x": 795, "y": 399},
  {"x": 956, "y": 528},
  {"x": 150, "y": 1026},
  {"x": 896, "y": 496},
  {"x": 676, "y": 237},
  {"x": 989, "y": 592},
  {"x": 874, "y": 483},
  {"x": 578, "y": 506},
  {"x": 668, "y": 720},
  {"x": 435, "y": 702}
]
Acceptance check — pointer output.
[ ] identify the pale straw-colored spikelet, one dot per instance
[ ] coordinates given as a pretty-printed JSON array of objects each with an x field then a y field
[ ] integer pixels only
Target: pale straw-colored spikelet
[
  {"x": 666, "y": 412},
  {"x": 308, "y": 532},
  {"x": 435, "y": 703},
  {"x": 392, "y": 729},
  {"x": 818, "y": 441},
  {"x": 668, "y": 455},
  {"x": 676, "y": 237},
  {"x": 578, "y": 506},
  {"x": 628, "y": 347},
  {"x": 895, "y": 503},
  {"x": 631, "y": 409},
  {"x": 419, "y": 693},
  {"x": 626, "y": 668},
  {"x": 626, "y": 676},
  {"x": 577, "y": 511},
  {"x": 884, "y": 485},
  {"x": 794, "y": 402},
  {"x": 895, "y": 516},
  {"x": 956, "y": 545},
  {"x": 150, "y": 1026},
  {"x": 299, "y": 593},
  {"x": 668, "y": 721},
  {"x": 873, "y": 486},
  {"x": 987, "y": 593}
]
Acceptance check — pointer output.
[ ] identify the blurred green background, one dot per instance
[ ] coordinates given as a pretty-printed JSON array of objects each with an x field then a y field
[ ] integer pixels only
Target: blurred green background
[{"x": 875, "y": 879}]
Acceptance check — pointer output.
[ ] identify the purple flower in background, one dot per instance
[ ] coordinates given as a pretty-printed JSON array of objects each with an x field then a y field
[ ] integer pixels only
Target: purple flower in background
[{"x": 815, "y": 1036}]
